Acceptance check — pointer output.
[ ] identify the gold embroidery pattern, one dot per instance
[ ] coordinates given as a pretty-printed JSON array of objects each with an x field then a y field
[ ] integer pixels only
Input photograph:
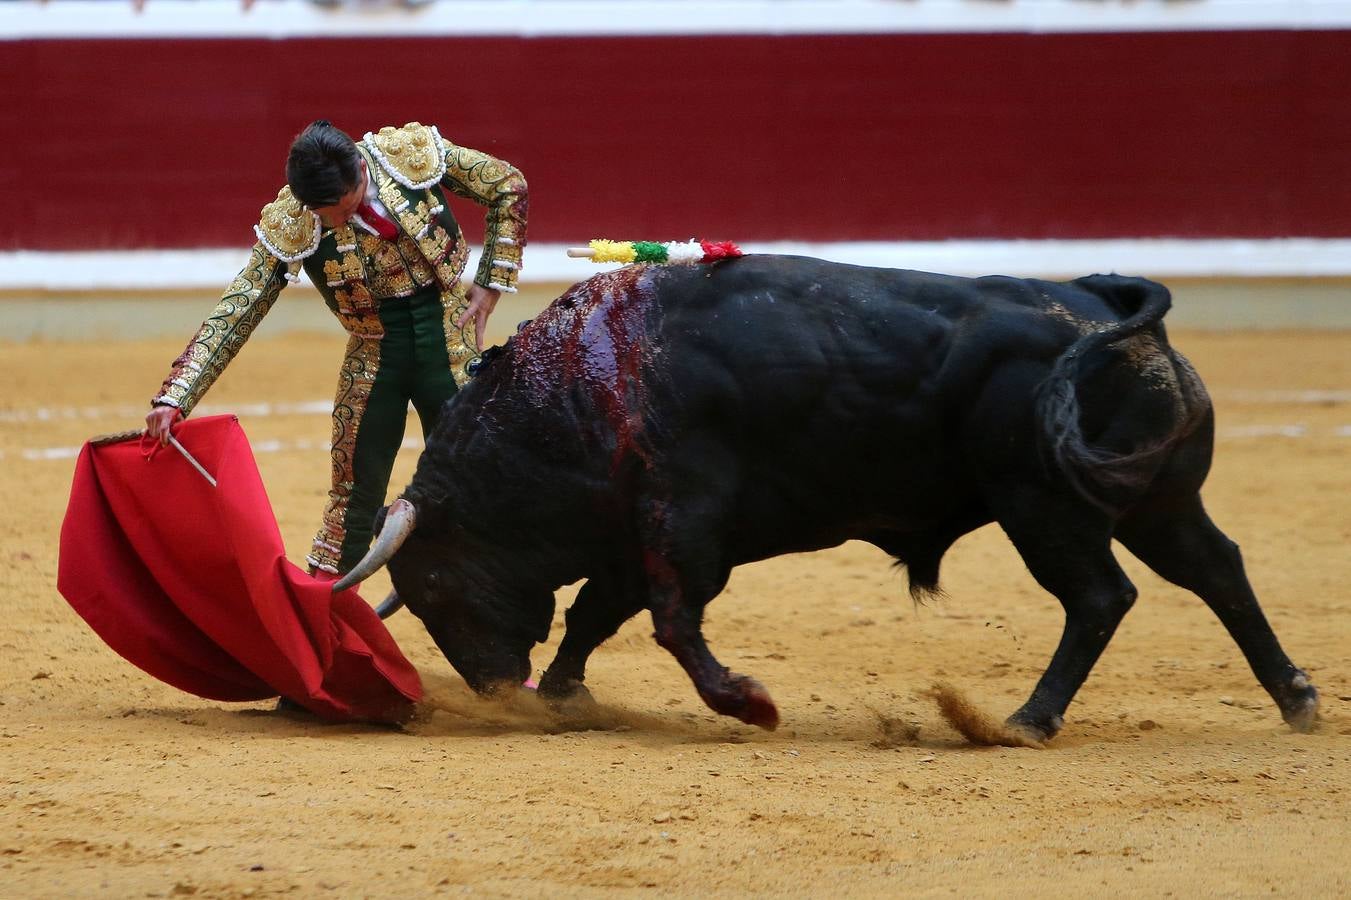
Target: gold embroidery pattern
[
  {"x": 356, "y": 312},
  {"x": 349, "y": 268},
  {"x": 450, "y": 266},
  {"x": 429, "y": 250},
  {"x": 387, "y": 189},
  {"x": 420, "y": 269},
  {"x": 502, "y": 188},
  {"x": 354, "y": 303},
  {"x": 413, "y": 154},
  {"x": 355, "y": 380},
  {"x": 395, "y": 269},
  {"x": 223, "y": 333},
  {"x": 459, "y": 340},
  {"x": 287, "y": 229},
  {"x": 433, "y": 241}
]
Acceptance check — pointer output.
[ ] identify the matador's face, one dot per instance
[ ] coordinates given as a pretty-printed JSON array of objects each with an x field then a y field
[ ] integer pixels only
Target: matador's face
[{"x": 338, "y": 213}]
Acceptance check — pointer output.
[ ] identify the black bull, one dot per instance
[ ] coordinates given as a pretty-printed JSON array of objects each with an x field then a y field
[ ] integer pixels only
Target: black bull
[{"x": 656, "y": 426}]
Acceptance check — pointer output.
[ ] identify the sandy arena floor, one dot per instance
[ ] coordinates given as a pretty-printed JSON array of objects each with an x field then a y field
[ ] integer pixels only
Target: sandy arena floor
[{"x": 1173, "y": 777}]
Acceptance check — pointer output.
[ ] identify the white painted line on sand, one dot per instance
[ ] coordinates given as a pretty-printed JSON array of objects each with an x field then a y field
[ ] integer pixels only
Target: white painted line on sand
[
  {"x": 1251, "y": 431},
  {"x": 1279, "y": 397},
  {"x": 269, "y": 446},
  {"x": 1233, "y": 432},
  {"x": 136, "y": 414}
]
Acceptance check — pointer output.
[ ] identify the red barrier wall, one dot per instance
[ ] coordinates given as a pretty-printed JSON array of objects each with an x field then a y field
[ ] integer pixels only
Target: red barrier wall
[{"x": 159, "y": 143}]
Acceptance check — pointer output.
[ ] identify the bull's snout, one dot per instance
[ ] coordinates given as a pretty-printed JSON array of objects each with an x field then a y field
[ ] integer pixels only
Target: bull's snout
[
  {"x": 488, "y": 666},
  {"x": 497, "y": 680}
]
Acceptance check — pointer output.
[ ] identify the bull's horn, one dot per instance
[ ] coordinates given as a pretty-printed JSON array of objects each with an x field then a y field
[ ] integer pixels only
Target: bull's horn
[
  {"x": 400, "y": 520},
  {"x": 390, "y": 605}
]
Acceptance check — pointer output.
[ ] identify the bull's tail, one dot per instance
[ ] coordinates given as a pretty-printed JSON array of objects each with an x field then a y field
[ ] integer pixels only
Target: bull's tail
[{"x": 1099, "y": 473}]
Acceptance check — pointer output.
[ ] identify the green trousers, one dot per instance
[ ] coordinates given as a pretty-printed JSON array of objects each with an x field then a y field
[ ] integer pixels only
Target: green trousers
[{"x": 379, "y": 379}]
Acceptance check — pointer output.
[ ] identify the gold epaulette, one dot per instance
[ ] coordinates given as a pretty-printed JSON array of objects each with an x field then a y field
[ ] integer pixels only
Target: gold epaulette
[
  {"x": 414, "y": 155},
  {"x": 287, "y": 229}
]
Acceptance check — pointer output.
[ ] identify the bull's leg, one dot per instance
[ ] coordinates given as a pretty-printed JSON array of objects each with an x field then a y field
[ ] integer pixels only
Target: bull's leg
[
  {"x": 1071, "y": 559},
  {"x": 1182, "y": 545},
  {"x": 677, "y": 600},
  {"x": 592, "y": 619}
]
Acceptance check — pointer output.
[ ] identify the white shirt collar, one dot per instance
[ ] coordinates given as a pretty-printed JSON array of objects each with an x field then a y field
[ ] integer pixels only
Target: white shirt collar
[{"x": 373, "y": 200}]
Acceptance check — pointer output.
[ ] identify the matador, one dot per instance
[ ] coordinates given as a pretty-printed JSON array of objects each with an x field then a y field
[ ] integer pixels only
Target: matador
[{"x": 369, "y": 223}]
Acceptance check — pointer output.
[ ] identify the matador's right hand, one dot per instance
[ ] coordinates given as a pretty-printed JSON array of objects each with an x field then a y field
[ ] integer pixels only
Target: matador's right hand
[{"x": 159, "y": 422}]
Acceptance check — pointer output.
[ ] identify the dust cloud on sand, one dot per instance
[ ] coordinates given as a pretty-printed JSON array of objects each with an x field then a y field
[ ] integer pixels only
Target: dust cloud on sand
[
  {"x": 449, "y": 707},
  {"x": 974, "y": 724}
]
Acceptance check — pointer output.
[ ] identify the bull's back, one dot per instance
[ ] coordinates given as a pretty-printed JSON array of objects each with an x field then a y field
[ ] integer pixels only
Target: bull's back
[
  {"x": 886, "y": 389},
  {"x": 814, "y": 395},
  {"x": 779, "y": 338},
  {"x": 798, "y": 345}
]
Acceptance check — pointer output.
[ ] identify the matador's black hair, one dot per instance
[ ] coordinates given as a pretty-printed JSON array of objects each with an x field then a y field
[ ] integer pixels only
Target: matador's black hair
[{"x": 323, "y": 165}]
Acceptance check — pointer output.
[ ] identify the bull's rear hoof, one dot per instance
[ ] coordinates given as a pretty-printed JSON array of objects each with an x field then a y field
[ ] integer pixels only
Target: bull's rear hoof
[
  {"x": 1301, "y": 711},
  {"x": 1037, "y": 733},
  {"x": 1305, "y": 719}
]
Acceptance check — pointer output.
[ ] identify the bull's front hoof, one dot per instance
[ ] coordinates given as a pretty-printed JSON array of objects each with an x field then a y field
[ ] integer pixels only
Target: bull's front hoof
[
  {"x": 288, "y": 707},
  {"x": 566, "y": 697},
  {"x": 552, "y": 687},
  {"x": 755, "y": 706}
]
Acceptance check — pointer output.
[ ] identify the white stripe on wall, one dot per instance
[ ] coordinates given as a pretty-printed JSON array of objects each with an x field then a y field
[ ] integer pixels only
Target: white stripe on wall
[
  {"x": 581, "y": 18},
  {"x": 31, "y": 270}
]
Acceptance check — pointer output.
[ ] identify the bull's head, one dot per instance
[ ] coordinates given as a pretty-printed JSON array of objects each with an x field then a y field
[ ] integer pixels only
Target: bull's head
[{"x": 484, "y": 630}]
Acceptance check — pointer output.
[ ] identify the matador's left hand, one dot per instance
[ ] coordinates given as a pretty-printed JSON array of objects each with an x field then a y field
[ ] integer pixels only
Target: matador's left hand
[{"x": 482, "y": 301}]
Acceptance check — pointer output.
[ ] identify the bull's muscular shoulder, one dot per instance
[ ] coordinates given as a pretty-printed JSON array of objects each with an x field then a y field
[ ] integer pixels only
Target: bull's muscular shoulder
[
  {"x": 414, "y": 155},
  {"x": 287, "y": 229}
]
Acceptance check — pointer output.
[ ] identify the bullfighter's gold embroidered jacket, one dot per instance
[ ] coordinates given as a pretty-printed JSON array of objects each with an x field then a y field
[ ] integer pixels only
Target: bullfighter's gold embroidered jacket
[{"x": 412, "y": 168}]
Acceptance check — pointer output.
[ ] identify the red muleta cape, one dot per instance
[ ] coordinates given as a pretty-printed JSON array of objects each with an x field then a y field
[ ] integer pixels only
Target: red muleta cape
[{"x": 191, "y": 583}]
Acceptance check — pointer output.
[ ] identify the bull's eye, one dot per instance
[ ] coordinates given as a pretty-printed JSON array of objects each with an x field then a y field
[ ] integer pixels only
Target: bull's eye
[{"x": 433, "y": 581}]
